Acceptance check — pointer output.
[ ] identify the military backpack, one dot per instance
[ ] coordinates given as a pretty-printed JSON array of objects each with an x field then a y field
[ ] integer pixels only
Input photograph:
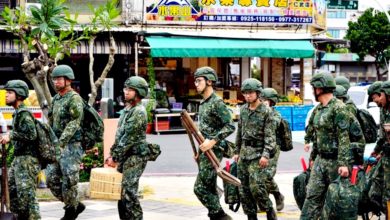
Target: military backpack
[
  {"x": 154, "y": 151},
  {"x": 368, "y": 125},
  {"x": 341, "y": 201},
  {"x": 299, "y": 187},
  {"x": 92, "y": 127},
  {"x": 47, "y": 141},
  {"x": 231, "y": 192},
  {"x": 284, "y": 136}
]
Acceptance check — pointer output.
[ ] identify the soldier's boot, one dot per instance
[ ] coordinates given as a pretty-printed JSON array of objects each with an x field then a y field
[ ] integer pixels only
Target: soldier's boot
[
  {"x": 252, "y": 217},
  {"x": 122, "y": 211},
  {"x": 70, "y": 213},
  {"x": 271, "y": 214},
  {"x": 80, "y": 208},
  {"x": 221, "y": 215},
  {"x": 279, "y": 199}
]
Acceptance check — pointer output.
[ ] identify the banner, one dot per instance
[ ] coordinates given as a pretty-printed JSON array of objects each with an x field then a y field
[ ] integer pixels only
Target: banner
[{"x": 232, "y": 11}]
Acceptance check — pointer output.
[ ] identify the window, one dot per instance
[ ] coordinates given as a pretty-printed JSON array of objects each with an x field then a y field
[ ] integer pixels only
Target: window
[
  {"x": 335, "y": 33},
  {"x": 82, "y": 6},
  {"x": 337, "y": 14}
]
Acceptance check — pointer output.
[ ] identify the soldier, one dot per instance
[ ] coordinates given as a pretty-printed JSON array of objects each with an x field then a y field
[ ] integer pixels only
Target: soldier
[
  {"x": 130, "y": 147},
  {"x": 215, "y": 124},
  {"x": 330, "y": 121},
  {"x": 356, "y": 136},
  {"x": 255, "y": 145},
  {"x": 343, "y": 81},
  {"x": 382, "y": 148},
  {"x": 25, "y": 166},
  {"x": 375, "y": 93},
  {"x": 270, "y": 97},
  {"x": 65, "y": 116}
]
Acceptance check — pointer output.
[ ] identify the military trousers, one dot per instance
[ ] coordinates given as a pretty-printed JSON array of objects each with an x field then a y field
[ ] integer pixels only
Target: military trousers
[
  {"x": 205, "y": 187},
  {"x": 63, "y": 176},
  {"x": 22, "y": 187},
  {"x": 324, "y": 171},
  {"x": 253, "y": 188},
  {"x": 272, "y": 186},
  {"x": 386, "y": 182},
  {"x": 133, "y": 168}
]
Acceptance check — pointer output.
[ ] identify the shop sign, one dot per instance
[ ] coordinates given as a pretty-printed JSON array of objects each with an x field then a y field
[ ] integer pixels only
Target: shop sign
[
  {"x": 232, "y": 11},
  {"x": 319, "y": 13},
  {"x": 342, "y": 4}
]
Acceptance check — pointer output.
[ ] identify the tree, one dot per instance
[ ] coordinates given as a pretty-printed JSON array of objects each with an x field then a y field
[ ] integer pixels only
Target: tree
[
  {"x": 101, "y": 21},
  {"x": 369, "y": 35},
  {"x": 49, "y": 31}
]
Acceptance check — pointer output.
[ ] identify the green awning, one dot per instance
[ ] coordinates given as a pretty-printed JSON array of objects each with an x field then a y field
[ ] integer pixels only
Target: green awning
[{"x": 217, "y": 47}]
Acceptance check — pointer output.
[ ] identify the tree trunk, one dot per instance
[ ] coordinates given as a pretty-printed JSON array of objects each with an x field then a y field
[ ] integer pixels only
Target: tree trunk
[
  {"x": 95, "y": 85},
  {"x": 378, "y": 72}
]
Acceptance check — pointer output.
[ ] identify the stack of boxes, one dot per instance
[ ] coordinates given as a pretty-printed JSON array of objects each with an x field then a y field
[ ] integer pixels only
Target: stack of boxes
[{"x": 295, "y": 115}]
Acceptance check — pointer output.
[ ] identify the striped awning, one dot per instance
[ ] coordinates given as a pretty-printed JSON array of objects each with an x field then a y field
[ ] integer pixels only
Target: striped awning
[{"x": 101, "y": 47}]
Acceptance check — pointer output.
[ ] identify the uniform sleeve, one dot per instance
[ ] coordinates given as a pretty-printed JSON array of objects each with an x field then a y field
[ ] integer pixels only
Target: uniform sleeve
[
  {"x": 381, "y": 140},
  {"x": 226, "y": 120},
  {"x": 310, "y": 129},
  {"x": 76, "y": 113},
  {"x": 342, "y": 135},
  {"x": 24, "y": 129},
  {"x": 271, "y": 125},
  {"x": 238, "y": 137}
]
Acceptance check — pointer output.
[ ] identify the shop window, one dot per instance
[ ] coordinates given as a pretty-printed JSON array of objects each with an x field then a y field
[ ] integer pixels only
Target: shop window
[{"x": 335, "y": 33}]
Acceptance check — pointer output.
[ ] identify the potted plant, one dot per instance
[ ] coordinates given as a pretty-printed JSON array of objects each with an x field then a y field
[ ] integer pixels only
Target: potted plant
[{"x": 152, "y": 95}]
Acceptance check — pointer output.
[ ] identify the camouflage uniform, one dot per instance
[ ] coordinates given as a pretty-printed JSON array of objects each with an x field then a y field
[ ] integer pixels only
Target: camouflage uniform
[
  {"x": 65, "y": 116},
  {"x": 331, "y": 130},
  {"x": 255, "y": 139},
  {"x": 215, "y": 123},
  {"x": 129, "y": 151},
  {"x": 25, "y": 166}
]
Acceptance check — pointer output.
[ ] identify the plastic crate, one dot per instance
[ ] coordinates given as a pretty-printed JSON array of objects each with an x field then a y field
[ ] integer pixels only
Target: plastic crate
[
  {"x": 300, "y": 126},
  {"x": 161, "y": 126},
  {"x": 285, "y": 111},
  {"x": 299, "y": 118},
  {"x": 105, "y": 183},
  {"x": 301, "y": 109}
]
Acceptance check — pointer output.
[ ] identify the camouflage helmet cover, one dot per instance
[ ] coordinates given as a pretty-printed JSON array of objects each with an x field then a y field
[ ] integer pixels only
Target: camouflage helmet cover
[
  {"x": 374, "y": 88},
  {"x": 63, "y": 70},
  {"x": 139, "y": 84},
  {"x": 340, "y": 92},
  {"x": 18, "y": 86},
  {"x": 323, "y": 80},
  {"x": 343, "y": 81},
  {"x": 251, "y": 84},
  {"x": 207, "y": 72},
  {"x": 386, "y": 87},
  {"x": 271, "y": 94}
]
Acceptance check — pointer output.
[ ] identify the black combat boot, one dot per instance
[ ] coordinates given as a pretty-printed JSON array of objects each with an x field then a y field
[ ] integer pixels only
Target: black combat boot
[
  {"x": 70, "y": 213},
  {"x": 221, "y": 215},
  {"x": 279, "y": 199},
  {"x": 271, "y": 215},
  {"x": 252, "y": 217},
  {"x": 122, "y": 211},
  {"x": 80, "y": 209}
]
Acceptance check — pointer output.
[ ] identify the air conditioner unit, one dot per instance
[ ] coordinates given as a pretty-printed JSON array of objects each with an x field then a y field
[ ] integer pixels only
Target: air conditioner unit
[{"x": 30, "y": 5}]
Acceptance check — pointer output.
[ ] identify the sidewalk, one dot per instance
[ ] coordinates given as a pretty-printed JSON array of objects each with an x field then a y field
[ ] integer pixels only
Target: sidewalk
[{"x": 171, "y": 198}]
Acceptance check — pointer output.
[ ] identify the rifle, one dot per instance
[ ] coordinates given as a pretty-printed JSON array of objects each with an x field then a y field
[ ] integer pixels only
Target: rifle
[{"x": 192, "y": 130}]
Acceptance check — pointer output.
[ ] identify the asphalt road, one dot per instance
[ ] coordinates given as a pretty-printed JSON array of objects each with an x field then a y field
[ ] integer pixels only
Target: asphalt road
[{"x": 176, "y": 157}]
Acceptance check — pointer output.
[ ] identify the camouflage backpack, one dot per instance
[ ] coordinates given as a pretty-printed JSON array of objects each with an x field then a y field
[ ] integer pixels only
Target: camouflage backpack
[
  {"x": 48, "y": 150},
  {"x": 92, "y": 127},
  {"x": 368, "y": 125},
  {"x": 299, "y": 187},
  {"x": 284, "y": 136},
  {"x": 342, "y": 199},
  {"x": 231, "y": 192}
]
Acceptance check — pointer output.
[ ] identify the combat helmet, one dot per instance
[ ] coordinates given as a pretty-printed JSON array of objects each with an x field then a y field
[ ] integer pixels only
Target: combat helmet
[
  {"x": 340, "y": 92},
  {"x": 18, "y": 86},
  {"x": 386, "y": 87},
  {"x": 63, "y": 70},
  {"x": 271, "y": 94},
  {"x": 374, "y": 88},
  {"x": 139, "y": 84},
  {"x": 323, "y": 80},
  {"x": 251, "y": 84},
  {"x": 342, "y": 81},
  {"x": 207, "y": 72}
]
